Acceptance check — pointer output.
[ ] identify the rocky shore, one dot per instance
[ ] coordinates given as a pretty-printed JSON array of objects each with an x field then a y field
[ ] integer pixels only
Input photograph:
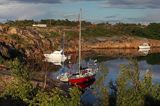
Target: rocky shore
[
  {"x": 132, "y": 43},
  {"x": 30, "y": 41},
  {"x": 120, "y": 43}
]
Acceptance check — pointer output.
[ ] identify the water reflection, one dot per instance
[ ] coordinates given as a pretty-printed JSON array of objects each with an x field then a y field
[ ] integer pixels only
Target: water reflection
[
  {"x": 144, "y": 51},
  {"x": 114, "y": 69},
  {"x": 113, "y": 58},
  {"x": 114, "y": 53}
]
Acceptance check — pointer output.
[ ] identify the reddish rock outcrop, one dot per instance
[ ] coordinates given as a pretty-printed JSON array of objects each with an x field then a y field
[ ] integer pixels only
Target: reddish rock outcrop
[
  {"x": 124, "y": 44},
  {"x": 12, "y": 30}
]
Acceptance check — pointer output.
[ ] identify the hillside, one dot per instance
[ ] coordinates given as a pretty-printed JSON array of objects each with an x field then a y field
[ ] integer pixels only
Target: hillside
[{"x": 20, "y": 40}]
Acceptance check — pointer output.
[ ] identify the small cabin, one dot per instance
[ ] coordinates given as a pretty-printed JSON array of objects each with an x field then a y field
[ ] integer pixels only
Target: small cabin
[{"x": 39, "y": 25}]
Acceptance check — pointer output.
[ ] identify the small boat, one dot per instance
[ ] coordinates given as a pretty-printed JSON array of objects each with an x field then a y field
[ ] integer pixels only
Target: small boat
[
  {"x": 56, "y": 57},
  {"x": 82, "y": 80},
  {"x": 144, "y": 46}
]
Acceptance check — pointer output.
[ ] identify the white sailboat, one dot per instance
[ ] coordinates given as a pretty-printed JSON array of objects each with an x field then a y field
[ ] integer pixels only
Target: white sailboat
[
  {"x": 56, "y": 57},
  {"x": 144, "y": 46}
]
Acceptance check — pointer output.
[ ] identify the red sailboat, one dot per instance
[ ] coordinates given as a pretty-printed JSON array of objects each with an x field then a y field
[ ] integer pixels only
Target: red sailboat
[
  {"x": 84, "y": 75},
  {"x": 82, "y": 79}
]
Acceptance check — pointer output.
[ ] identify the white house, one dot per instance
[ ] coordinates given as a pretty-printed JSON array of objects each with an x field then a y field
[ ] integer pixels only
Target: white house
[{"x": 39, "y": 25}]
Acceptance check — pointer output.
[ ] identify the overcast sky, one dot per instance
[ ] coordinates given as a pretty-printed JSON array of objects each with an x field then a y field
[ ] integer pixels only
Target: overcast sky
[{"x": 129, "y": 11}]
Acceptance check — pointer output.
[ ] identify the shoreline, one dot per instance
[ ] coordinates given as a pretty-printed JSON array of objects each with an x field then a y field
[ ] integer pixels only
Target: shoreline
[{"x": 132, "y": 43}]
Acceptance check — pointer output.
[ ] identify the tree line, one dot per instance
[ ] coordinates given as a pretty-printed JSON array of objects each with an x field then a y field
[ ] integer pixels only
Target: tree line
[
  {"x": 48, "y": 22},
  {"x": 100, "y": 29}
]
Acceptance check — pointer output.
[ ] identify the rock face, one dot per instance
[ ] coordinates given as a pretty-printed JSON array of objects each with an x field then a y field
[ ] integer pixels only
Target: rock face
[
  {"x": 24, "y": 42},
  {"x": 112, "y": 43},
  {"x": 1, "y": 29},
  {"x": 9, "y": 51},
  {"x": 12, "y": 30},
  {"x": 124, "y": 44}
]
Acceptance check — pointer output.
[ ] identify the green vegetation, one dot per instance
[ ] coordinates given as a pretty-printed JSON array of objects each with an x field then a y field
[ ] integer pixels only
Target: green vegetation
[
  {"x": 98, "y": 31},
  {"x": 20, "y": 23},
  {"x": 22, "y": 91},
  {"x": 130, "y": 90},
  {"x": 95, "y": 30},
  {"x": 102, "y": 91},
  {"x": 1, "y": 60},
  {"x": 48, "y": 22},
  {"x": 151, "y": 31},
  {"x": 119, "y": 29}
]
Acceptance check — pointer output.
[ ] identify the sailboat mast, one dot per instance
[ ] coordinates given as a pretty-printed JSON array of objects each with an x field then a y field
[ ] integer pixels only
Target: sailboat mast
[
  {"x": 63, "y": 49},
  {"x": 80, "y": 24}
]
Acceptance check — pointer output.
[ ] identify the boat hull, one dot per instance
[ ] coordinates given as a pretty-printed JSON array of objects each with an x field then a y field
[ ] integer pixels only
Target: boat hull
[
  {"x": 56, "y": 57},
  {"x": 83, "y": 82},
  {"x": 144, "y": 47},
  {"x": 75, "y": 81},
  {"x": 86, "y": 84}
]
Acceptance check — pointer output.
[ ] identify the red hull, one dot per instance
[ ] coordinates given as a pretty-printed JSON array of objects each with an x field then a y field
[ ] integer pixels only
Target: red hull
[
  {"x": 86, "y": 84},
  {"x": 81, "y": 80}
]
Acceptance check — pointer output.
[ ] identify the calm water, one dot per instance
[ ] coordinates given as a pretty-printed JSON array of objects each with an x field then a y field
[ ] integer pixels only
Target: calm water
[
  {"x": 113, "y": 58},
  {"x": 113, "y": 66}
]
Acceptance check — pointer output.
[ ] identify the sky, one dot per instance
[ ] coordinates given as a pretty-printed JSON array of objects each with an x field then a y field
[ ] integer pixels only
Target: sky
[{"x": 113, "y": 11}]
